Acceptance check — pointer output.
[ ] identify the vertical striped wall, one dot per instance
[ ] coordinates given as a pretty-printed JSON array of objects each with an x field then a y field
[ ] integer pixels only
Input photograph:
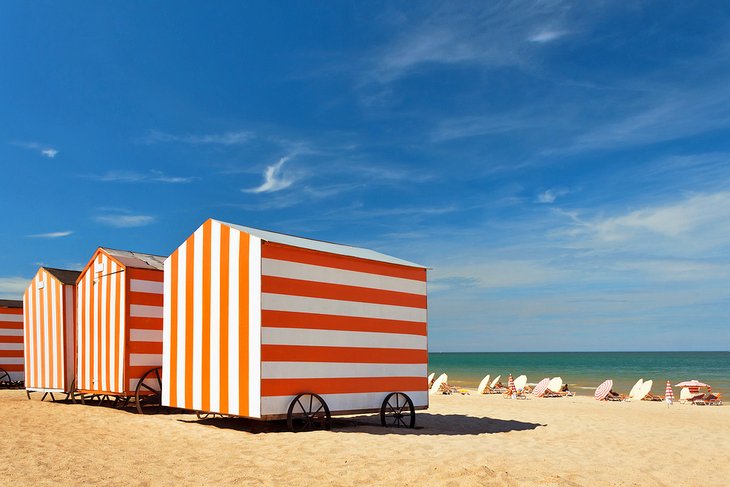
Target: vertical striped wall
[
  {"x": 211, "y": 339},
  {"x": 351, "y": 330},
  {"x": 11, "y": 342},
  {"x": 249, "y": 324},
  {"x": 49, "y": 328},
  {"x": 100, "y": 341},
  {"x": 119, "y": 325},
  {"x": 144, "y": 348}
]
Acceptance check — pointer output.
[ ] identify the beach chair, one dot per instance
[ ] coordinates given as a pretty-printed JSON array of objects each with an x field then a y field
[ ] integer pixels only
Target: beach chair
[
  {"x": 556, "y": 388},
  {"x": 645, "y": 392},
  {"x": 495, "y": 387},
  {"x": 708, "y": 400},
  {"x": 520, "y": 386},
  {"x": 615, "y": 396},
  {"x": 697, "y": 399}
]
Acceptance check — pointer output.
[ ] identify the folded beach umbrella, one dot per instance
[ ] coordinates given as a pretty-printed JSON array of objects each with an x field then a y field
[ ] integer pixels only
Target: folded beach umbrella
[
  {"x": 483, "y": 384},
  {"x": 511, "y": 385},
  {"x": 668, "y": 393},
  {"x": 603, "y": 390},
  {"x": 541, "y": 387},
  {"x": 636, "y": 389}
]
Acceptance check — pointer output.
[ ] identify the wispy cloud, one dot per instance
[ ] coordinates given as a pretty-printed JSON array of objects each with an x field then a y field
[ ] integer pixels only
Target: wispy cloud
[
  {"x": 42, "y": 149},
  {"x": 275, "y": 179},
  {"x": 487, "y": 35},
  {"x": 238, "y": 137},
  {"x": 121, "y": 218},
  {"x": 138, "y": 177},
  {"x": 550, "y": 195},
  {"x": 544, "y": 36},
  {"x": 699, "y": 221},
  {"x": 65, "y": 233},
  {"x": 13, "y": 287}
]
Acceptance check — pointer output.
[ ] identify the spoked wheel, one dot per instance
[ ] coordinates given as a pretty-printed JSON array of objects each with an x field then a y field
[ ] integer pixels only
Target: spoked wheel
[
  {"x": 398, "y": 411},
  {"x": 5, "y": 378},
  {"x": 308, "y": 412},
  {"x": 202, "y": 415},
  {"x": 148, "y": 398}
]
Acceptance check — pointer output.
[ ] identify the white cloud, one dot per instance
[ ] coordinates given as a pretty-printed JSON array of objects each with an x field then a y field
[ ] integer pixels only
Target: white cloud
[
  {"x": 550, "y": 195},
  {"x": 65, "y": 233},
  {"x": 42, "y": 149},
  {"x": 125, "y": 220},
  {"x": 274, "y": 179},
  {"x": 546, "y": 36},
  {"x": 702, "y": 214},
  {"x": 226, "y": 138},
  {"x": 13, "y": 287},
  {"x": 491, "y": 35},
  {"x": 137, "y": 177}
]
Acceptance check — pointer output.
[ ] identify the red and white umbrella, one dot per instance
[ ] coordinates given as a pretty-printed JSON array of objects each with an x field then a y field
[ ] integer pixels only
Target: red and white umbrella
[
  {"x": 691, "y": 383},
  {"x": 668, "y": 393},
  {"x": 511, "y": 385},
  {"x": 603, "y": 390},
  {"x": 541, "y": 386}
]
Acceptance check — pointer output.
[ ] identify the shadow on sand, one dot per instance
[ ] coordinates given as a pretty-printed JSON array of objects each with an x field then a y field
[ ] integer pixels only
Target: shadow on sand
[{"x": 426, "y": 424}]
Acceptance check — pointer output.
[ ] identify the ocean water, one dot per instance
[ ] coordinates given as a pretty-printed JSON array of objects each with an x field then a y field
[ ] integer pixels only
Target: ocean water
[{"x": 583, "y": 371}]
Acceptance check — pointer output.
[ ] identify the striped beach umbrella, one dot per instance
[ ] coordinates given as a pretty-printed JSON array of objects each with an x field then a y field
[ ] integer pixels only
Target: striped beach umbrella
[
  {"x": 511, "y": 385},
  {"x": 669, "y": 393},
  {"x": 541, "y": 386},
  {"x": 603, "y": 390}
]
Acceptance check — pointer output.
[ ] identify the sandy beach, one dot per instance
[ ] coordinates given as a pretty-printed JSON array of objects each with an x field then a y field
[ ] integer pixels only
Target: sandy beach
[{"x": 460, "y": 440}]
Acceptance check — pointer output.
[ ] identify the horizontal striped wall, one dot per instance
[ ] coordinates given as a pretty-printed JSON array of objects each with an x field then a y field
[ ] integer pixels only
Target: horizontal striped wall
[
  {"x": 101, "y": 330},
  {"x": 211, "y": 339},
  {"x": 49, "y": 326},
  {"x": 144, "y": 323},
  {"x": 349, "y": 329},
  {"x": 11, "y": 342}
]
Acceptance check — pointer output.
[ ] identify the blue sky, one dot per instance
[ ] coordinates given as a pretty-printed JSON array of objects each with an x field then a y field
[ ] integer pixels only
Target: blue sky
[{"x": 563, "y": 167}]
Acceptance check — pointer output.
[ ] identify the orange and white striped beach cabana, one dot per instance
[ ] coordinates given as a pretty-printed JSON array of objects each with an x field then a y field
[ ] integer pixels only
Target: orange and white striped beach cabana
[
  {"x": 11, "y": 342},
  {"x": 49, "y": 326},
  {"x": 254, "y": 318},
  {"x": 119, "y": 325}
]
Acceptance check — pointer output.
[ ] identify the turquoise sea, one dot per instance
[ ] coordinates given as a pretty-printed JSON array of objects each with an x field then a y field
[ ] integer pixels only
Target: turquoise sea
[{"x": 583, "y": 371}]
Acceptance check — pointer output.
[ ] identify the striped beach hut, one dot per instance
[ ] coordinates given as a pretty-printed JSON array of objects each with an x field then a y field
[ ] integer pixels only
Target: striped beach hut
[
  {"x": 119, "y": 328},
  {"x": 266, "y": 325},
  {"x": 50, "y": 327},
  {"x": 11, "y": 343}
]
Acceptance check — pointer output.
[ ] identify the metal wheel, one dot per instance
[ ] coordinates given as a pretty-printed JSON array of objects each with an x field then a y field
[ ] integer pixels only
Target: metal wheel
[
  {"x": 4, "y": 376},
  {"x": 308, "y": 412},
  {"x": 148, "y": 399},
  {"x": 202, "y": 415},
  {"x": 398, "y": 411}
]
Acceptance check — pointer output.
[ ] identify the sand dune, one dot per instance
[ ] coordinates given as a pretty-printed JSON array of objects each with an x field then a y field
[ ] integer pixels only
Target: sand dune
[{"x": 460, "y": 440}]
